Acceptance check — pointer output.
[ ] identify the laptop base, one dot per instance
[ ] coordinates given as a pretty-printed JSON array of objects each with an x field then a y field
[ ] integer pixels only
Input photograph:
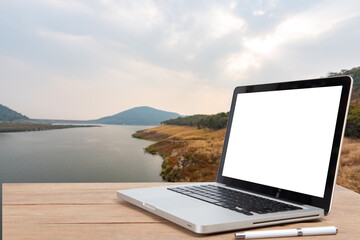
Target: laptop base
[{"x": 205, "y": 218}]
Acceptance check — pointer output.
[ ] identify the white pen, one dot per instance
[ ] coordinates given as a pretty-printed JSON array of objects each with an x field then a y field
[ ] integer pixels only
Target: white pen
[{"x": 287, "y": 233}]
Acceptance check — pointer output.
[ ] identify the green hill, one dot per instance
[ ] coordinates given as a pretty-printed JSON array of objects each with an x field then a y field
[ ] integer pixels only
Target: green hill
[
  {"x": 138, "y": 116},
  {"x": 215, "y": 121},
  {"x": 6, "y": 114}
]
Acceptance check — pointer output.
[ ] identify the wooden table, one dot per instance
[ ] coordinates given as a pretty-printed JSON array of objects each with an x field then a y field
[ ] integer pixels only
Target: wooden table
[{"x": 92, "y": 211}]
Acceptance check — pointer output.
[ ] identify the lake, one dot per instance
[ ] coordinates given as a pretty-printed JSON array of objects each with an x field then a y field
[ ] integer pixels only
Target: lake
[{"x": 91, "y": 154}]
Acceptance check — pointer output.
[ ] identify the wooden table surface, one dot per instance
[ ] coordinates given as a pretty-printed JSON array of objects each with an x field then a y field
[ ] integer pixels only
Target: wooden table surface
[{"x": 92, "y": 211}]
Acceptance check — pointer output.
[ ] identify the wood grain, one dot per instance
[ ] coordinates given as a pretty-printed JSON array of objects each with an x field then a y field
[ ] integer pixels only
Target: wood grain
[{"x": 92, "y": 211}]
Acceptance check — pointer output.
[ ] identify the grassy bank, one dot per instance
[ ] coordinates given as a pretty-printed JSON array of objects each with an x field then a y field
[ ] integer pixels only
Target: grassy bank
[
  {"x": 189, "y": 153},
  {"x": 192, "y": 154}
]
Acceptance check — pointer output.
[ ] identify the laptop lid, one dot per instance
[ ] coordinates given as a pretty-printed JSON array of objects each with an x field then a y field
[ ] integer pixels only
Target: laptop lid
[{"x": 284, "y": 139}]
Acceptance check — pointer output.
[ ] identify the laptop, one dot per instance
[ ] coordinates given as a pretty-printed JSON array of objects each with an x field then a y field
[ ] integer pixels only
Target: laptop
[{"x": 278, "y": 164}]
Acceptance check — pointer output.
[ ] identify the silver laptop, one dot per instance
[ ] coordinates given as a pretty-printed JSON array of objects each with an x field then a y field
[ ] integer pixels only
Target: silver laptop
[{"x": 278, "y": 165}]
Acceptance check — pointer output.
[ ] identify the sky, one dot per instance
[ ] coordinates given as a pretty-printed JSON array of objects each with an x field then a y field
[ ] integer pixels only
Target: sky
[{"x": 81, "y": 60}]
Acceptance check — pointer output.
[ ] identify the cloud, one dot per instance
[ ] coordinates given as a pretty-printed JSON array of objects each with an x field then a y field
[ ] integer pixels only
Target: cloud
[
  {"x": 68, "y": 5},
  {"x": 307, "y": 25},
  {"x": 304, "y": 26},
  {"x": 67, "y": 38},
  {"x": 238, "y": 64},
  {"x": 258, "y": 13},
  {"x": 222, "y": 23},
  {"x": 135, "y": 15},
  {"x": 197, "y": 28}
]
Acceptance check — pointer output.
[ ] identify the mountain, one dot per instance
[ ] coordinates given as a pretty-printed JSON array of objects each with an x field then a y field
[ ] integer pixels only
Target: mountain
[
  {"x": 138, "y": 116},
  {"x": 6, "y": 114}
]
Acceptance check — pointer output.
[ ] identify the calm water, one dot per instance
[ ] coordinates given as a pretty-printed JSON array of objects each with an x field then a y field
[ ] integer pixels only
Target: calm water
[{"x": 96, "y": 154}]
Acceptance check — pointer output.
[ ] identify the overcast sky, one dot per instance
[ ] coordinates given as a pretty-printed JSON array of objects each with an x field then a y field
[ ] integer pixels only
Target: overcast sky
[{"x": 69, "y": 59}]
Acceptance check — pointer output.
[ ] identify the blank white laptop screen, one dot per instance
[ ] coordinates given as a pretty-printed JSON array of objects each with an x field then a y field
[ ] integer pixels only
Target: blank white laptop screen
[{"x": 283, "y": 139}]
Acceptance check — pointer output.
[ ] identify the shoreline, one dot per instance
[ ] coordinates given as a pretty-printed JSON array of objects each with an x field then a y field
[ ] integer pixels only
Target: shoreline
[{"x": 8, "y": 127}]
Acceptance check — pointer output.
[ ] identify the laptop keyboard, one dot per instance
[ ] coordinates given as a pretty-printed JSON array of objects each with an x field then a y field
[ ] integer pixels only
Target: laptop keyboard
[{"x": 234, "y": 200}]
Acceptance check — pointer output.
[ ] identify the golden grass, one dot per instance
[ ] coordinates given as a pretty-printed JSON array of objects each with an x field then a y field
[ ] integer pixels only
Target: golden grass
[
  {"x": 192, "y": 154},
  {"x": 186, "y": 133},
  {"x": 349, "y": 167}
]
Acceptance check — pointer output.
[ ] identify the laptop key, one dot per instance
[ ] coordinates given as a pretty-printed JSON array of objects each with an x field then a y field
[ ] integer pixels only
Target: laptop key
[
  {"x": 224, "y": 205},
  {"x": 206, "y": 199},
  {"x": 243, "y": 211}
]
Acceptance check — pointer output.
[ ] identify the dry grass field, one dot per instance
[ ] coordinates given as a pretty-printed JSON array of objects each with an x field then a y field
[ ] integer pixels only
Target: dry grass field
[
  {"x": 349, "y": 170},
  {"x": 192, "y": 154}
]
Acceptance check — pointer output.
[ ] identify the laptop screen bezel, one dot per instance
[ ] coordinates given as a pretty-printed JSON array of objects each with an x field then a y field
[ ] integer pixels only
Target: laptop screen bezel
[{"x": 325, "y": 202}]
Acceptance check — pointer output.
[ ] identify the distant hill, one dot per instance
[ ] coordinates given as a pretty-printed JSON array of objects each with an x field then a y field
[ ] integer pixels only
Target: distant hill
[
  {"x": 138, "y": 116},
  {"x": 6, "y": 114}
]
